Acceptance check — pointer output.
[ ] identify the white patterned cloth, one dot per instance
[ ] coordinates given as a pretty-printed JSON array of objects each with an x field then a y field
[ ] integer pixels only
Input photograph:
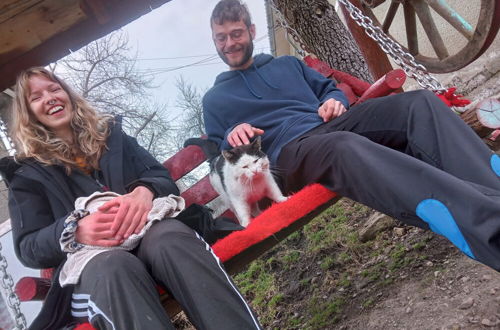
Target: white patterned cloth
[{"x": 163, "y": 207}]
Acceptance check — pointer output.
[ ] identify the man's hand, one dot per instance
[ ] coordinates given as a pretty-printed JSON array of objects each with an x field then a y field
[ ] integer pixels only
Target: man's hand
[
  {"x": 331, "y": 109},
  {"x": 130, "y": 212},
  {"x": 242, "y": 134}
]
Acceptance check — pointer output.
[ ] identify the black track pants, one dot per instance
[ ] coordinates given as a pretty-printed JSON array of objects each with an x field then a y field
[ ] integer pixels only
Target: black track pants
[
  {"x": 408, "y": 156},
  {"x": 117, "y": 288}
]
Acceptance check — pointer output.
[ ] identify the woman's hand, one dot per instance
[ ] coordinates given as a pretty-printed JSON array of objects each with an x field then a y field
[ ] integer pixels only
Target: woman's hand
[
  {"x": 130, "y": 212},
  {"x": 95, "y": 229}
]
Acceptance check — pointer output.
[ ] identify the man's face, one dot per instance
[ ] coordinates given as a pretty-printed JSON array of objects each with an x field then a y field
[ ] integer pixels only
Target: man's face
[{"x": 234, "y": 43}]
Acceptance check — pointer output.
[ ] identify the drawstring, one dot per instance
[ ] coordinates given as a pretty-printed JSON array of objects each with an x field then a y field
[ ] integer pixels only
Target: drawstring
[
  {"x": 247, "y": 83},
  {"x": 254, "y": 93},
  {"x": 262, "y": 77}
]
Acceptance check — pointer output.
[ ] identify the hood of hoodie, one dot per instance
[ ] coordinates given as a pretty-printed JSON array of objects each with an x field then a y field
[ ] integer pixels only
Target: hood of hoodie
[{"x": 258, "y": 61}]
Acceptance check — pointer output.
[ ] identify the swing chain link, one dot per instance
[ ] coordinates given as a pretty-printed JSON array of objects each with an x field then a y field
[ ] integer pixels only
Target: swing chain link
[
  {"x": 12, "y": 299},
  {"x": 302, "y": 49},
  {"x": 404, "y": 59}
]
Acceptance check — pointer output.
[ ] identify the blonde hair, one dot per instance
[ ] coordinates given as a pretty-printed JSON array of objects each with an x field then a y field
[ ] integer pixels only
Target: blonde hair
[{"x": 33, "y": 140}]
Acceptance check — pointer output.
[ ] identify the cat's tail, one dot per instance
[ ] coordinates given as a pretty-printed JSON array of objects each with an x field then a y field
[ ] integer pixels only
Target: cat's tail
[{"x": 210, "y": 148}]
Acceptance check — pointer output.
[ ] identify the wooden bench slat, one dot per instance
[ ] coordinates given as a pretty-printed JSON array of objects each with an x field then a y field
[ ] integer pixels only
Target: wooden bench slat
[
  {"x": 184, "y": 161},
  {"x": 200, "y": 193}
]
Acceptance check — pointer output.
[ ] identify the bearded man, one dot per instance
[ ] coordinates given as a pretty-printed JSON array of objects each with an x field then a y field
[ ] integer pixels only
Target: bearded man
[{"x": 405, "y": 155}]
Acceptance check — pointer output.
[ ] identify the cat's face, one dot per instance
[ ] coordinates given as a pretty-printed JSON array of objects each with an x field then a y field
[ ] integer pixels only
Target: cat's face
[
  {"x": 250, "y": 168},
  {"x": 247, "y": 162}
]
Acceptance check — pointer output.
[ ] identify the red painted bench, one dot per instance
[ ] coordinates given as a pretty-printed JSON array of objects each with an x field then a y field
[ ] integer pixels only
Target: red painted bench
[{"x": 277, "y": 222}]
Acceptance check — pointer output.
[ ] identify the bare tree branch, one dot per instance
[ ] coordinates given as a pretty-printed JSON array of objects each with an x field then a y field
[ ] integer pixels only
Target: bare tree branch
[{"x": 105, "y": 73}]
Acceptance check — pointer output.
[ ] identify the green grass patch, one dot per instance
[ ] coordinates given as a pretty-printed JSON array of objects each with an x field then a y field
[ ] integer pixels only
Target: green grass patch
[
  {"x": 368, "y": 302},
  {"x": 323, "y": 315},
  {"x": 327, "y": 263},
  {"x": 344, "y": 281}
]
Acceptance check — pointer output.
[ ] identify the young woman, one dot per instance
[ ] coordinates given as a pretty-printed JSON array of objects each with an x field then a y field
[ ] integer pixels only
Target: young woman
[{"x": 66, "y": 150}]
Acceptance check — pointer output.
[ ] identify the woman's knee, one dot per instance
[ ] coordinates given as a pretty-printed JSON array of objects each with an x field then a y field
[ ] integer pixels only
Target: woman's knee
[
  {"x": 167, "y": 235},
  {"x": 167, "y": 228},
  {"x": 111, "y": 264}
]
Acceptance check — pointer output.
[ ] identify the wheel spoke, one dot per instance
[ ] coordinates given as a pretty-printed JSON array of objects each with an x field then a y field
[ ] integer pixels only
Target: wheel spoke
[
  {"x": 391, "y": 13},
  {"x": 373, "y": 3},
  {"x": 411, "y": 28},
  {"x": 451, "y": 16},
  {"x": 424, "y": 14}
]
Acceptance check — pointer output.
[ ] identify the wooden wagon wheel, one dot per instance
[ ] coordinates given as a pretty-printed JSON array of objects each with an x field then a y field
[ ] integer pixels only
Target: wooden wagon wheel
[{"x": 477, "y": 37}]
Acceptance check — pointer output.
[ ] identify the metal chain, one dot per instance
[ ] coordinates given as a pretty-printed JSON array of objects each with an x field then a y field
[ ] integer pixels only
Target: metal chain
[
  {"x": 302, "y": 49},
  {"x": 404, "y": 59},
  {"x": 7, "y": 141},
  {"x": 12, "y": 298}
]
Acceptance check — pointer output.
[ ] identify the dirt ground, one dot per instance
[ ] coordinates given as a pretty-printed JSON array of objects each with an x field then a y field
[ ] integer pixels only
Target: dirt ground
[{"x": 463, "y": 295}]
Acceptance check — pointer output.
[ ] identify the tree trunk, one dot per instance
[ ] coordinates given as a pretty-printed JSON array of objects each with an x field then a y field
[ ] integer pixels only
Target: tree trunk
[{"x": 324, "y": 34}]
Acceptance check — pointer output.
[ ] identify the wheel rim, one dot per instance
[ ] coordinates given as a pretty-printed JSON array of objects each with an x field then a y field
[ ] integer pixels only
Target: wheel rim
[{"x": 441, "y": 60}]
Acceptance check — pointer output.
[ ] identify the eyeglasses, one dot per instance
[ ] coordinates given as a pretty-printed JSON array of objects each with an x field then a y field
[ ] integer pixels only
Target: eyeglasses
[{"x": 236, "y": 35}]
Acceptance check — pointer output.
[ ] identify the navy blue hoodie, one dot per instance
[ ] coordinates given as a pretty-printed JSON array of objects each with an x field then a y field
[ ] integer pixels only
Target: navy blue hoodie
[{"x": 279, "y": 95}]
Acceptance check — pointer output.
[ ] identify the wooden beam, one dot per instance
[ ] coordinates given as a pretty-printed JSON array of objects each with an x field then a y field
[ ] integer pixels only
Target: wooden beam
[
  {"x": 377, "y": 61},
  {"x": 98, "y": 9},
  {"x": 73, "y": 38},
  {"x": 37, "y": 24},
  {"x": 12, "y": 8}
]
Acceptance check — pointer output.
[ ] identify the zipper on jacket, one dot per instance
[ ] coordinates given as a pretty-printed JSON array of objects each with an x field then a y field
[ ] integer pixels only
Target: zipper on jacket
[{"x": 95, "y": 176}]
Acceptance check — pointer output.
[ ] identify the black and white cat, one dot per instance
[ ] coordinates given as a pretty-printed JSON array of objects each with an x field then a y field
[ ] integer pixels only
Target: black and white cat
[{"x": 242, "y": 178}]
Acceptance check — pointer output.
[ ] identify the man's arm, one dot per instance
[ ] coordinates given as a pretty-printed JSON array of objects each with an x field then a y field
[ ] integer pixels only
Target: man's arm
[
  {"x": 323, "y": 87},
  {"x": 333, "y": 101}
]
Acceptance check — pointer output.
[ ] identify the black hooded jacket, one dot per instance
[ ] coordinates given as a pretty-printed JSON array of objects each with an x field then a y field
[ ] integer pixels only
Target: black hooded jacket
[{"x": 41, "y": 197}]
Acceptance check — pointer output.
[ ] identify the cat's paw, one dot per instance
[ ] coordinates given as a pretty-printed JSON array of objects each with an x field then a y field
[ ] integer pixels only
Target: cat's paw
[
  {"x": 282, "y": 199},
  {"x": 244, "y": 222}
]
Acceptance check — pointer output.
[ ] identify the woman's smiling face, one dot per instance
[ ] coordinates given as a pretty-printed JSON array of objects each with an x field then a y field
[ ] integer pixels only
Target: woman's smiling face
[{"x": 50, "y": 104}]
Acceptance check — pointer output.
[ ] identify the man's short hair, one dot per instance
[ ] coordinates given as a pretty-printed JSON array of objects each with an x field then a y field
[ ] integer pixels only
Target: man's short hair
[{"x": 232, "y": 11}]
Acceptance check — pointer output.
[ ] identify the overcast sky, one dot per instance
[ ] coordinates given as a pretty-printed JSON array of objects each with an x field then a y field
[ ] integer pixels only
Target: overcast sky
[{"x": 178, "y": 34}]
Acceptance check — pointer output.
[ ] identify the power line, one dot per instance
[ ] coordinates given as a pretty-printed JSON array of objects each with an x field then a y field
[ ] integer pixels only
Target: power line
[
  {"x": 204, "y": 62},
  {"x": 176, "y": 57}
]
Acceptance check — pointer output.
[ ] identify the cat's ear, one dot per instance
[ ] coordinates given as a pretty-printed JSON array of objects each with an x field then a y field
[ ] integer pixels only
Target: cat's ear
[
  {"x": 256, "y": 143},
  {"x": 229, "y": 155}
]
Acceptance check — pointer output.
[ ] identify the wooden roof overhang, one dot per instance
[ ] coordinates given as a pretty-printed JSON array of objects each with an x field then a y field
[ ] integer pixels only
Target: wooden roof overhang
[{"x": 38, "y": 32}]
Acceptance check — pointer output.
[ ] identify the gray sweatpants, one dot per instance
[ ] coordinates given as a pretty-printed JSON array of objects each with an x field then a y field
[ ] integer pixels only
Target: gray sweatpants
[
  {"x": 411, "y": 157},
  {"x": 117, "y": 288}
]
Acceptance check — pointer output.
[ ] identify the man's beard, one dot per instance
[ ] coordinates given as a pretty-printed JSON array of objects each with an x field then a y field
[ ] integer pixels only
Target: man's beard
[{"x": 247, "y": 54}]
